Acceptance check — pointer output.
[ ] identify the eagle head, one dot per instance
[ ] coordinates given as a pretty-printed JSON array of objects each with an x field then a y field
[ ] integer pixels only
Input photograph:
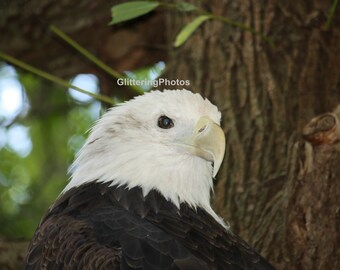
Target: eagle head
[{"x": 168, "y": 141}]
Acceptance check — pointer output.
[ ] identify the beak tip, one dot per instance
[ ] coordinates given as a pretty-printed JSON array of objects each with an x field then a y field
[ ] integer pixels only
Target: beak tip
[
  {"x": 216, "y": 168},
  {"x": 210, "y": 142},
  {"x": 214, "y": 173}
]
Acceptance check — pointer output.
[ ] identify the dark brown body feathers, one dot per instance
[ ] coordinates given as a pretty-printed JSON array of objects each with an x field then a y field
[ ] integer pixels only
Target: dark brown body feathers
[{"x": 95, "y": 226}]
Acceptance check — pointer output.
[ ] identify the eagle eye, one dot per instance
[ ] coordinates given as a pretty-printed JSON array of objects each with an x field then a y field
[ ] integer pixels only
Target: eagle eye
[{"x": 165, "y": 122}]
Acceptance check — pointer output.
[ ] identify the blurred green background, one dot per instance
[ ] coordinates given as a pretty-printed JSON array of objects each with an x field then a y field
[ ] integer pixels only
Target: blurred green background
[{"x": 42, "y": 126}]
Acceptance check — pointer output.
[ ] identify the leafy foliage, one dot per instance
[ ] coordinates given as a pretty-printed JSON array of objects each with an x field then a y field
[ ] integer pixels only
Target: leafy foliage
[
  {"x": 30, "y": 183},
  {"x": 189, "y": 29},
  {"x": 55, "y": 126},
  {"x": 130, "y": 10},
  {"x": 186, "y": 7},
  {"x": 134, "y": 9}
]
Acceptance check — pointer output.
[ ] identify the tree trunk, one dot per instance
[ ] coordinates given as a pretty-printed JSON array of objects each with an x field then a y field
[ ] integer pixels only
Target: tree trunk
[
  {"x": 12, "y": 254},
  {"x": 25, "y": 34},
  {"x": 277, "y": 191}
]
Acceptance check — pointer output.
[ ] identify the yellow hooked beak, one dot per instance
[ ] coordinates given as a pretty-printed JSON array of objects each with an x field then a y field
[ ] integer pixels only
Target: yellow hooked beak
[{"x": 208, "y": 142}]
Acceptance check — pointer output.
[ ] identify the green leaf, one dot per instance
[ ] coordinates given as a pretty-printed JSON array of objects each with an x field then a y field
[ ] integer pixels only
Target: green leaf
[
  {"x": 127, "y": 11},
  {"x": 189, "y": 29},
  {"x": 185, "y": 7}
]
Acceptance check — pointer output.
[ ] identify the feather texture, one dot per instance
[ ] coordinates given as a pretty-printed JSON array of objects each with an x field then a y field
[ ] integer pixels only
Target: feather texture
[{"x": 98, "y": 226}]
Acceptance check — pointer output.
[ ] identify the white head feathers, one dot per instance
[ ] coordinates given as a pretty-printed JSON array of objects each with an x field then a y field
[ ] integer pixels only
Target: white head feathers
[{"x": 126, "y": 146}]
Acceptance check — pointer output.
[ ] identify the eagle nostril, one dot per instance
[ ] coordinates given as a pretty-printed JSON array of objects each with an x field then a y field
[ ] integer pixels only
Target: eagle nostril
[{"x": 202, "y": 129}]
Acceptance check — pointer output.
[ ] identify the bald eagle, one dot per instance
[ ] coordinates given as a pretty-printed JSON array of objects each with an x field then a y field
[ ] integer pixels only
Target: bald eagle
[{"x": 139, "y": 194}]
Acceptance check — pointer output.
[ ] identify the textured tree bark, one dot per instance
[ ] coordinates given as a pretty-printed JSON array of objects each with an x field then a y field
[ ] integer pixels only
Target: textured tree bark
[
  {"x": 12, "y": 254},
  {"x": 25, "y": 34},
  {"x": 277, "y": 190}
]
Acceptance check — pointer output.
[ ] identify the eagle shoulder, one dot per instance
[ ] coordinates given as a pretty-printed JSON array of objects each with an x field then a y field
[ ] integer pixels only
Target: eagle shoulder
[
  {"x": 87, "y": 228},
  {"x": 63, "y": 242}
]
